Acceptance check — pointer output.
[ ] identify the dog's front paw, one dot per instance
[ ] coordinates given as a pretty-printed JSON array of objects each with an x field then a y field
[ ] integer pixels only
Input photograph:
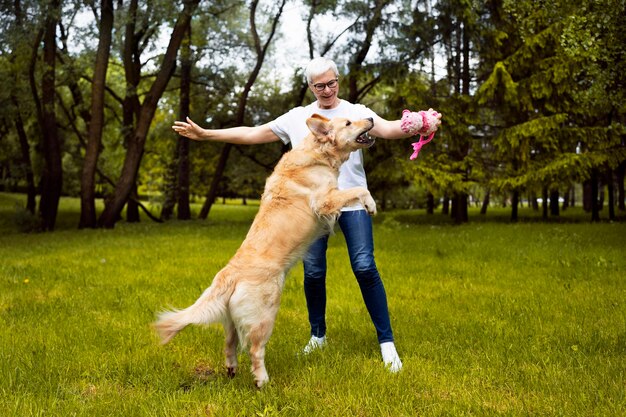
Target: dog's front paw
[
  {"x": 369, "y": 204},
  {"x": 260, "y": 382}
]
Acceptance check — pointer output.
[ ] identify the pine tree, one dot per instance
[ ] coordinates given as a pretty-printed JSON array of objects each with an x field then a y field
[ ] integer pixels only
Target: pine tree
[{"x": 552, "y": 126}]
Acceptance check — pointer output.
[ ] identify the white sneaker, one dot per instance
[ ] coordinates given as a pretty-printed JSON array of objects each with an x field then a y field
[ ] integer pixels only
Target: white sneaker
[
  {"x": 390, "y": 357},
  {"x": 314, "y": 344}
]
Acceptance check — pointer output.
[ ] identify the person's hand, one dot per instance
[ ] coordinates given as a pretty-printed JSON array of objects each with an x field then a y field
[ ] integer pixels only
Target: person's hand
[{"x": 189, "y": 129}]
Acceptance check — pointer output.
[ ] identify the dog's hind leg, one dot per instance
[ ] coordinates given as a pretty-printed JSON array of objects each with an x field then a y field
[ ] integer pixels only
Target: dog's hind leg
[
  {"x": 258, "y": 337},
  {"x": 253, "y": 309},
  {"x": 230, "y": 350}
]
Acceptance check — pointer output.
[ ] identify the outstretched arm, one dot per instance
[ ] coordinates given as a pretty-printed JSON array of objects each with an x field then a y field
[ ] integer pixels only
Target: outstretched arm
[
  {"x": 242, "y": 135},
  {"x": 397, "y": 129},
  {"x": 388, "y": 129}
]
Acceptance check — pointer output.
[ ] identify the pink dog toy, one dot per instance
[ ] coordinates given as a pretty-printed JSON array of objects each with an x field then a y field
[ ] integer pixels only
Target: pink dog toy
[{"x": 421, "y": 123}]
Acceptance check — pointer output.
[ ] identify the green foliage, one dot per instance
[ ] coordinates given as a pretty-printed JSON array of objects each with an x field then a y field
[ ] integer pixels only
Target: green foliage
[
  {"x": 540, "y": 83},
  {"x": 499, "y": 82},
  {"x": 517, "y": 138},
  {"x": 550, "y": 99}
]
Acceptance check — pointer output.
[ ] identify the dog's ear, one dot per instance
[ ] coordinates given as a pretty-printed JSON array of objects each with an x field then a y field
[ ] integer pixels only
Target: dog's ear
[{"x": 320, "y": 127}]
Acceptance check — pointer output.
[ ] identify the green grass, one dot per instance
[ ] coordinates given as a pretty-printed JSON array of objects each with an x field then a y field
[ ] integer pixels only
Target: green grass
[{"x": 489, "y": 318}]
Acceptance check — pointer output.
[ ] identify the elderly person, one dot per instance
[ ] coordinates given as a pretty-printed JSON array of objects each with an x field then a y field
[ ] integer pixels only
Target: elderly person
[{"x": 356, "y": 225}]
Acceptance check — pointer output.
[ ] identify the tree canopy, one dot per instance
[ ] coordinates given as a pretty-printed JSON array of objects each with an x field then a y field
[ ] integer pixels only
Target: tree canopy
[{"x": 532, "y": 96}]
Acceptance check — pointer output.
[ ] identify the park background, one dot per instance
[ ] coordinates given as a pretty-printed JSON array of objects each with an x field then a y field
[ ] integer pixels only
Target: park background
[
  {"x": 532, "y": 96},
  {"x": 501, "y": 246}
]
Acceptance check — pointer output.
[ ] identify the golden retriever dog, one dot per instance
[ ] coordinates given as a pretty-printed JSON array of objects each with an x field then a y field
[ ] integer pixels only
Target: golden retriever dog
[{"x": 299, "y": 203}]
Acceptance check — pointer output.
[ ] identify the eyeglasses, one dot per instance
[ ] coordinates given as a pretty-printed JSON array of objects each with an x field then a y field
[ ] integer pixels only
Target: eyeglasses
[{"x": 322, "y": 86}]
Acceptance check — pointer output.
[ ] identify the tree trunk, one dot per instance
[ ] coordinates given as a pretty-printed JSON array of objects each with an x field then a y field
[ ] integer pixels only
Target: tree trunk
[
  {"x": 621, "y": 170},
  {"x": 217, "y": 177},
  {"x": 533, "y": 202},
  {"x": 171, "y": 185},
  {"x": 88, "y": 188},
  {"x": 587, "y": 188},
  {"x": 31, "y": 191},
  {"x": 460, "y": 201},
  {"x": 554, "y": 202},
  {"x": 453, "y": 206},
  {"x": 483, "y": 209},
  {"x": 514, "y": 205},
  {"x": 131, "y": 106},
  {"x": 373, "y": 21},
  {"x": 464, "y": 206},
  {"x": 566, "y": 198},
  {"x": 601, "y": 195},
  {"x": 457, "y": 55},
  {"x": 184, "y": 211},
  {"x": 132, "y": 206},
  {"x": 178, "y": 171},
  {"x": 595, "y": 209},
  {"x": 544, "y": 203},
  {"x": 52, "y": 176},
  {"x": 611, "y": 192},
  {"x": 242, "y": 103},
  {"x": 466, "y": 78},
  {"x": 32, "y": 67},
  {"x": 445, "y": 207},
  {"x": 135, "y": 149},
  {"x": 459, "y": 208},
  {"x": 430, "y": 203}
]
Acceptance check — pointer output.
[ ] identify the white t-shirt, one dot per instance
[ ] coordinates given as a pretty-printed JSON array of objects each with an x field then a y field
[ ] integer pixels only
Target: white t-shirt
[{"x": 291, "y": 127}]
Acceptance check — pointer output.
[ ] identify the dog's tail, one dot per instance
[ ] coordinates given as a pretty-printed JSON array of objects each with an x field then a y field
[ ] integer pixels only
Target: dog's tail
[{"x": 209, "y": 308}]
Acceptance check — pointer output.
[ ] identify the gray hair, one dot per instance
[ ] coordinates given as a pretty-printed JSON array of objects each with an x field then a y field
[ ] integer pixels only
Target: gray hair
[{"x": 319, "y": 66}]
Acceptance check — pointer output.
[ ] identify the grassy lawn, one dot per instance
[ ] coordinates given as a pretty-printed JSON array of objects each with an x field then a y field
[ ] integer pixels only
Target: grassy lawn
[{"x": 490, "y": 319}]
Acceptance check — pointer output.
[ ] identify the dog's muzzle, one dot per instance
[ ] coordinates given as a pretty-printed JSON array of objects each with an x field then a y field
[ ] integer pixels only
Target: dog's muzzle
[{"x": 365, "y": 139}]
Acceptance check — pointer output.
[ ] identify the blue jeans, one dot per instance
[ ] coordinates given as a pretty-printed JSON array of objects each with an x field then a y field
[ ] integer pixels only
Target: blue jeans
[{"x": 357, "y": 230}]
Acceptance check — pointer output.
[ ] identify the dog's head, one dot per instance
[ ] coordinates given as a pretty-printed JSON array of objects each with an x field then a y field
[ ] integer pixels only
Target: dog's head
[{"x": 340, "y": 135}]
